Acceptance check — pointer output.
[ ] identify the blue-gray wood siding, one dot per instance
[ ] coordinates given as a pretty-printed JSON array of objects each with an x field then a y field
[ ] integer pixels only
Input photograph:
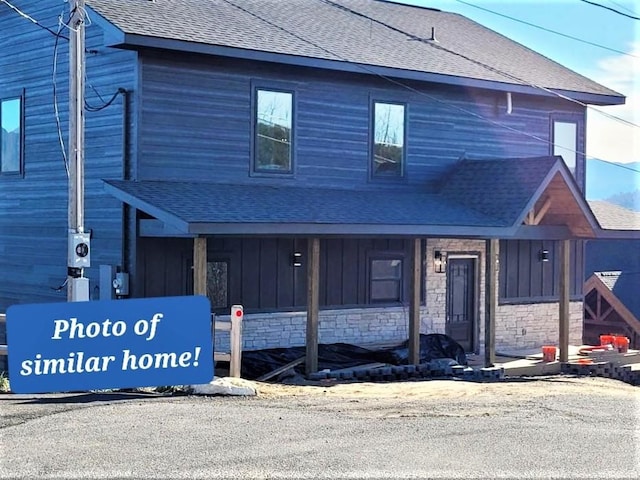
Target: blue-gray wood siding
[
  {"x": 33, "y": 209},
  {"x": 197, "y": 116},
  {"x": 262, "y": 276},
  {"x": 524, "y": 278}
]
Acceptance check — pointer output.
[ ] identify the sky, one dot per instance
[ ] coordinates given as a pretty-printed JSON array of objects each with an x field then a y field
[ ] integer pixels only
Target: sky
[{"x": 607, "y": 139}]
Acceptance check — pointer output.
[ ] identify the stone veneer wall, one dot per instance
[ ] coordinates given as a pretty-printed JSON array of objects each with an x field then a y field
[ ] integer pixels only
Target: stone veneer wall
[
  {"x": 358, "y": 326},
  {"x": 532, "y": 325},
  {"x": 517, "y": 326}
]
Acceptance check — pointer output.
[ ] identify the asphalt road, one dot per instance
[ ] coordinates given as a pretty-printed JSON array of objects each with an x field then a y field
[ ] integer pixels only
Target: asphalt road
[{"x": 502, "y": 434}]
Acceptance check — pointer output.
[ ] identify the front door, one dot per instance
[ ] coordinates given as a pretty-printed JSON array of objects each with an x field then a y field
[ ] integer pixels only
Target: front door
[{"x": 461, "y": 301}]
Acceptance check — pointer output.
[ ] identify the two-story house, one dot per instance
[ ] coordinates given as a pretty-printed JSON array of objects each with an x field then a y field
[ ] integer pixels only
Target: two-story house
[{"x": 338, "y": 167}]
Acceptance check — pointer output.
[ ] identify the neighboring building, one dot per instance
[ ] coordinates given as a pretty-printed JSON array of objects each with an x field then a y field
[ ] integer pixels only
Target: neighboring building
[
  {"x": 612, "y": 307},
  {"x": 245, "y": 132},
  {"x": 612, "y": 274}
]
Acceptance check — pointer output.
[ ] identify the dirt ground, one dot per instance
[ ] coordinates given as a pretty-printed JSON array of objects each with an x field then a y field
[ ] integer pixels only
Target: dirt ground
[{"x": 425, "y": 389}]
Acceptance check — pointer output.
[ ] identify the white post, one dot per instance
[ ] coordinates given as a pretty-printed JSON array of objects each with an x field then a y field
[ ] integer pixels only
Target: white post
[{"x": 235, "y": 362}]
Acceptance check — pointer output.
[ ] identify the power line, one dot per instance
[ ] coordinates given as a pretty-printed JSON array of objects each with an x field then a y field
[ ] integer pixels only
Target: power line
[
  {"x": 611, "y": 9},
  {"x": 93, "y": 108},
  {"x": 547, "y": 29},
  {"x": 55, "y": 96},
  {"x": 405, "y": 86},
  {"x": 33, "y": 20},
  {"x": 621, "y": 6},
  {"x": 479, "y": 63}
]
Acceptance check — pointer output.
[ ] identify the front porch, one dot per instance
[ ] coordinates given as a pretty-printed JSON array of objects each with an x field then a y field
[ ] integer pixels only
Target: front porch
[{"x": 372, "y": 249}]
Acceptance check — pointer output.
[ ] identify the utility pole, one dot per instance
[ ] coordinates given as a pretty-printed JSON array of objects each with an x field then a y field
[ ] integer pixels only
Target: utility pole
[{"x": 78, "y": 256}]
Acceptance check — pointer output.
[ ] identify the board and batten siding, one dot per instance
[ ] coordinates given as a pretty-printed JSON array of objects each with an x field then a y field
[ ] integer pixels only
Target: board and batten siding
[
  {"x": 196, "y": 118},
  {"x": 33, "y": 207},
  {"x": 262, "y": 276},
  {"x": 524, "y": 278}
]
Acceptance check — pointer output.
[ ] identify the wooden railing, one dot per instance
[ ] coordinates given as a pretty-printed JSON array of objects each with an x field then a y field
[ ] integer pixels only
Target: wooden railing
[{"x": 234, "y": 356}]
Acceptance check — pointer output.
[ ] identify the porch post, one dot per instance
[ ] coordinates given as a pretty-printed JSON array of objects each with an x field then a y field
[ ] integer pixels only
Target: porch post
[
  {"x": 200, "y": 266},
  {"x": 313, "y": 289},
  {"x": 490, "y": 301},
  {"x": 565, "y": 282},
  {"x": 414, "y": 302}
]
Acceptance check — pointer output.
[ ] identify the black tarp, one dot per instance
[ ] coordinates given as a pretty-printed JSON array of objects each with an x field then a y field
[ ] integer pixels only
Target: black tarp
[{"x": 335, "y": 356}]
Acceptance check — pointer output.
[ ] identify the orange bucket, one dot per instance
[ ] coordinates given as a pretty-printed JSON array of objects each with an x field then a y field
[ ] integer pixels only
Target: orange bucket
[
  {"x": 607, "y": 339},
  {"x": 548, "y": 353},
  {"x": 622, "y": 344}
]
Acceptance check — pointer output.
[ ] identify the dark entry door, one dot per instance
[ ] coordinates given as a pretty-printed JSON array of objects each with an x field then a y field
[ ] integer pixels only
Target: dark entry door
[{"x": 461, "y": 309}]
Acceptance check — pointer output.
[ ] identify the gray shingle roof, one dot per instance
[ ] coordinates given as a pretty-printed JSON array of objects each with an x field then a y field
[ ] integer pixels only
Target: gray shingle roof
[
  {"x": 482, "y": 198},
  {"x": 502, "y": 187},
  {"x": 210, "y": 203},
  {"x": 364, "y": 32},
  {"x": 615, "y": 217}
]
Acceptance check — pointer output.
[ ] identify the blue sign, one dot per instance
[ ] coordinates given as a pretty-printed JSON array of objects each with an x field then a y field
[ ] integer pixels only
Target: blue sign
[{"x": 63, "y": 347}]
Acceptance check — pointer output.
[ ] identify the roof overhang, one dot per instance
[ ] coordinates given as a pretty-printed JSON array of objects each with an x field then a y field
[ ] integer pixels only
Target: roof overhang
[
  {"x": 116, "y": 38},
  {"x": 169, "y": 222}
]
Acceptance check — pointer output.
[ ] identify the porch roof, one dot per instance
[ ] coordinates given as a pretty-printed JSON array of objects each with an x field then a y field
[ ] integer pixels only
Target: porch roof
[{"x": 480, "y": 199}]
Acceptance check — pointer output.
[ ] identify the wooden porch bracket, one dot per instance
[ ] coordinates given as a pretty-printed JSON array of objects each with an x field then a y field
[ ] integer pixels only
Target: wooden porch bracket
[
  {"x": 200, "y": 266},
  {"x": 534, "y": 218},
  {"x": 490, "y": 301},
  {"x": 565, "y": 282},
  {"x": 414, "y": 302},
  {"x": 313, "y": 294}
]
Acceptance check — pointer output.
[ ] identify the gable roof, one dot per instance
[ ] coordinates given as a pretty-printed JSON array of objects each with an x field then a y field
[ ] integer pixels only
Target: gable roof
[
  {"x": 471, "y": 204},
  {"x": 512, "y": 188},
  {"x": 625, "y": 286},
  {"x": 363, "y": 36}
]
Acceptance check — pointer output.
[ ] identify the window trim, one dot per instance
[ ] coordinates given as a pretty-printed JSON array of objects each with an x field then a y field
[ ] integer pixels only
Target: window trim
[
  {"x": 373, "y": 256},
  {"x": 4, "y": 98},
  {"x": 254, "y": 170},
  {"x": 401, "y": 177}
]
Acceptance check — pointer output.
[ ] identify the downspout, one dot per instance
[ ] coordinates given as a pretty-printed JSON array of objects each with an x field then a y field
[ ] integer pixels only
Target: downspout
[{"x": 124, "y": 248}]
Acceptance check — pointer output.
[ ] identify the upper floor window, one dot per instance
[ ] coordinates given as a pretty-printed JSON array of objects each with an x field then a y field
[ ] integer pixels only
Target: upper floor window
[
  {"x": 273, "y": 140},
  {"x": 565, "y": 142},
  {"x": 388, "y": 140},
  {"x": 11, "y": 140}
]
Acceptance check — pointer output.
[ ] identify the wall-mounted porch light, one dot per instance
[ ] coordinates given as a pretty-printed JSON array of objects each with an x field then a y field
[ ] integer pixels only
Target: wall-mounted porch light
[
  {"x": 543, "y": 255},
  {"x": 297, "y": 259},
  {"x": 439, "y": 262}
]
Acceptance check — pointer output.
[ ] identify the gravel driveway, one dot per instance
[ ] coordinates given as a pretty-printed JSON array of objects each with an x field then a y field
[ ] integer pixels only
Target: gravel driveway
[{"x": 556, "y": 427}]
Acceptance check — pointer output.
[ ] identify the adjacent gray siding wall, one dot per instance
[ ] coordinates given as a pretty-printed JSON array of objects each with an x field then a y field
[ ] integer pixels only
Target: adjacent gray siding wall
[
  {"x": 33, "y": 209},
  {"x": 197, "y": 114}
]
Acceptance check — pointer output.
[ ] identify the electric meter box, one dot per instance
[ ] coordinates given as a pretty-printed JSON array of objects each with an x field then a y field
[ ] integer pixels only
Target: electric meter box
[{"x": 79, "y": 255}]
